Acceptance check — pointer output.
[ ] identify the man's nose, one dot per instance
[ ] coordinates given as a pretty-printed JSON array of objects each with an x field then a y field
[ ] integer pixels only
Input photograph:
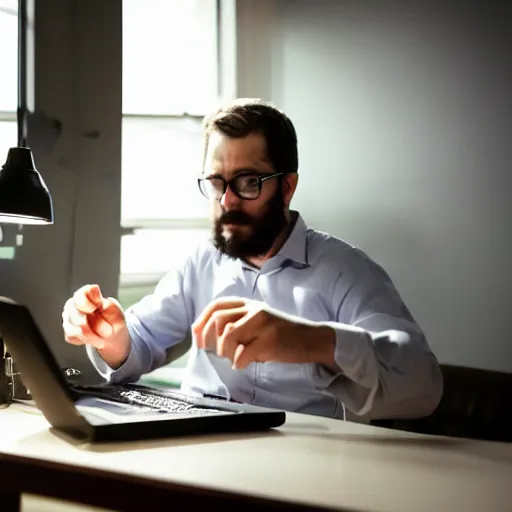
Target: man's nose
[{"x": 229, "y": 199}]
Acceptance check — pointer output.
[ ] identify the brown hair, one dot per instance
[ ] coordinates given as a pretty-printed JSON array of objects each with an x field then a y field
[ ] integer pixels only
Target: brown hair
[{"x": 243, "y": 116}]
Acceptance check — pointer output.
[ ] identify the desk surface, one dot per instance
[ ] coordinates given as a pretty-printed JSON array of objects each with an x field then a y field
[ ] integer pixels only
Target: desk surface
[{"x": 309, "y": 461}]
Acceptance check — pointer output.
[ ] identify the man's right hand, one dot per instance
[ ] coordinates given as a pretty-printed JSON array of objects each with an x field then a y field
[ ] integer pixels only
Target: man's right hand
[{"x": 90, "y": 319}]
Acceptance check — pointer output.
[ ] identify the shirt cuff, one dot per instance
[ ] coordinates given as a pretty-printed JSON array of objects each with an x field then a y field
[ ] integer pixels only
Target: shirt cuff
[
  {"x": 126, "y": 372},
  {"x": 357, "y": 362}
]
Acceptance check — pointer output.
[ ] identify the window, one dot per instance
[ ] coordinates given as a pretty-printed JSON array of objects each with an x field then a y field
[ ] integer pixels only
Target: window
[
  {"x": 8, "y": 103},
  {"x": 170, "y": 81},
  {"x": 9, "y": 82}
]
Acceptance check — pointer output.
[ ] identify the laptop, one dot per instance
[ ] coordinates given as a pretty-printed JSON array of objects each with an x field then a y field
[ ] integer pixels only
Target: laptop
[{"x": 116, "y": 412}]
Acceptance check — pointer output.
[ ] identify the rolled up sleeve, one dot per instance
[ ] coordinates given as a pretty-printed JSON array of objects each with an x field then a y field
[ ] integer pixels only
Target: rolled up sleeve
[
  {"x": 130, "y": 370},
  {"x": 387, "y": 369},
  {"x": 156, "y": 323}
]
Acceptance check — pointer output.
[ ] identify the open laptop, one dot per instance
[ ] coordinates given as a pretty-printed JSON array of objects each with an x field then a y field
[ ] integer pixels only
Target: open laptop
[{"x": 108, "y": 412}]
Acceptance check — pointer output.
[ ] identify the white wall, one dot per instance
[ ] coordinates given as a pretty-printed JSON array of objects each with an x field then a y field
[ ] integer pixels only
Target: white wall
[
  {"x": 77, "y": 81},
  {"x": 403, "y": 111}
]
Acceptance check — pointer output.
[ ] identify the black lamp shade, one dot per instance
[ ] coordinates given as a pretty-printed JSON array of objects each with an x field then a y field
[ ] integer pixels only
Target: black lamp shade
[{"x": 24, "y": 197}]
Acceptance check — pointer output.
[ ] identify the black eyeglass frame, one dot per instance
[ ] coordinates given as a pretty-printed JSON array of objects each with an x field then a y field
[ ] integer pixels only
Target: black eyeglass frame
[{"x": 227, "y": 183}]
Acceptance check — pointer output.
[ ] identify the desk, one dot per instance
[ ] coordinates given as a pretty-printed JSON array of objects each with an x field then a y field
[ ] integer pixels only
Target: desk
[{"x": 309, "y": 462}]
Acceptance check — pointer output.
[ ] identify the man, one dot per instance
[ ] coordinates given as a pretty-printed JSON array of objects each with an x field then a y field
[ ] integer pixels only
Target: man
[{"x": 281, "y": 315}]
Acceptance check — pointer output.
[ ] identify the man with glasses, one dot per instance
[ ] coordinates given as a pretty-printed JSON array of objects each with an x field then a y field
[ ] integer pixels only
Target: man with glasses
[{"x": 281, "y": 315}]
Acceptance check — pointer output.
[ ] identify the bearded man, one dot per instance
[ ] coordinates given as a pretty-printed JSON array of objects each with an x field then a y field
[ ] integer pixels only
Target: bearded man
[{"x": 280, "y": 315}]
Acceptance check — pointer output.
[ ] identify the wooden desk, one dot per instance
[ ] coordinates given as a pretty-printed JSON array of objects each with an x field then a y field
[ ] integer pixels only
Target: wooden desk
[{"x": 309, "y": 462}]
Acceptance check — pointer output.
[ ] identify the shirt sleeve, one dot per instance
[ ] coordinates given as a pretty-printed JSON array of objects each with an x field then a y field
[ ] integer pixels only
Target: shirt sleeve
[
  {"x": 156, "y": 323},
  {"x": 387, "y": 369}
]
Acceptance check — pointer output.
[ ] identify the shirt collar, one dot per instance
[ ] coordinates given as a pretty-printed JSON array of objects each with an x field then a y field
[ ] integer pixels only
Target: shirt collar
[{"x": 295, "y": 247}]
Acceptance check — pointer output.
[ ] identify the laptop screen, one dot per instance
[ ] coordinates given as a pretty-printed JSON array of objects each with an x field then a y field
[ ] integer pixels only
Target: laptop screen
[{"x": 39, "y": 369}]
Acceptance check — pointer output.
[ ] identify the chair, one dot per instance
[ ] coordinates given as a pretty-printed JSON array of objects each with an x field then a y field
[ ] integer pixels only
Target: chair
[{"x": 475, "y": 404}]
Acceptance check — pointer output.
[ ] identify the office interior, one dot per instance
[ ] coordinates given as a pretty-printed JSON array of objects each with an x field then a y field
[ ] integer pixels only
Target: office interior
[
  {"x": 403, "y": 116},
  {"x": 403, "y": 113}
]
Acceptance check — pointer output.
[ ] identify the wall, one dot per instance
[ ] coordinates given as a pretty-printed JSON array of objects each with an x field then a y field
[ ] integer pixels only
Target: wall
[
  {"x": 77, "y": 81},
  {"x": 403, "y": 111}
]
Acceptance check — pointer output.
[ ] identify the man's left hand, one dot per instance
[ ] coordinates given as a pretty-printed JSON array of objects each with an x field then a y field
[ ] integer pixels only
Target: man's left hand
[{"x": 246, "y": 331}]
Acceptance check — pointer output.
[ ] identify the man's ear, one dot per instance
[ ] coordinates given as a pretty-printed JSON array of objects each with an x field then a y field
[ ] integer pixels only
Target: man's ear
[{"x": 290, "y": 180}]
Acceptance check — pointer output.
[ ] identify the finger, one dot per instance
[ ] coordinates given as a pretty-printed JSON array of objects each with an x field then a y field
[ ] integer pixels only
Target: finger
[
  {"x": 88, "y": 298},
  {"x": 240, "y": 349},
  {"x": 74, "y": 340},
  {"x": 76, "y": 324},
  {"x": 112, "y": 312},
  {"x": 216, "y": 305},
  {"x": 76, "y": 336},
  {"x": 245, "y": 329},
  {"x": 215, "y": 326},
  {"x": 238, "y": 333},
  {"x": 90, "y": 325},
  {"x": 224, "y": 349},
  {"x": 93, "y": 293},
  {"x": 75, "y": 317},
  {"x": 70, "y": 330},
  {"x": 245, "y": 354},
  {"x": 69, "y": 309},
  {"x": 99, "y": 326},
  {"x": 261, "y": 348},
  {"x": 69, "y": 304}
]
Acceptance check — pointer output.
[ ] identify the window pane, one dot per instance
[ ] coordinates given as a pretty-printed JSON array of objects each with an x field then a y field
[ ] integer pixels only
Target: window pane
[
  {"x": 8, "y": 138},
  {"x": 161, "y": 161},
  {"x": 7, "y": 253},
  {"x": 155, "y": 252},
  {"x": 8, "y": 56},
  {"x": 169, "y": 56}
]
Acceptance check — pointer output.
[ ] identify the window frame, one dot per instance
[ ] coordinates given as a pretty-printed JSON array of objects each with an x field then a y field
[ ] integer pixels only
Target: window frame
[
  {"x": 225, "y": 37},
  {"x": 8, "y": 116},
  {"x": 10, "y": 234},
  {"x": 130, "y": 225}
]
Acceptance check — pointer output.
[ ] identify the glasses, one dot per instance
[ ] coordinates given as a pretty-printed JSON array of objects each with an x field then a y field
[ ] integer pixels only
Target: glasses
[{"x": 244, "y": 186}]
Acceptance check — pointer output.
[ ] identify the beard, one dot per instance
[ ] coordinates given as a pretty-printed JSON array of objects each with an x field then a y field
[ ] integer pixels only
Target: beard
[{"x": 259, "y": 233}]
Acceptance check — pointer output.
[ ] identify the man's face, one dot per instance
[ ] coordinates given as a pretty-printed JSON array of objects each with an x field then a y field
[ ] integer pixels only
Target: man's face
[{"x": 244, "y": 228}]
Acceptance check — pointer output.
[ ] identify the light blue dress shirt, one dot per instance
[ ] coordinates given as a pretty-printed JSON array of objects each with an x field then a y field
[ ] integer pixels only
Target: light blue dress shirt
[{"x": 386, "y": 367}]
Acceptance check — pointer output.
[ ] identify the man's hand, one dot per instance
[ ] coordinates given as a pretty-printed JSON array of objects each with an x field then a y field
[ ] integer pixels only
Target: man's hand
[
  {"x": 88, "y": 318},
  {"x": 247, "y": 331}
]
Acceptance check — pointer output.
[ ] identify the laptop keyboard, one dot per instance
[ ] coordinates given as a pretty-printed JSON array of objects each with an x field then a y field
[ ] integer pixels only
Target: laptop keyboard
[{"x": 146, "y": 398}]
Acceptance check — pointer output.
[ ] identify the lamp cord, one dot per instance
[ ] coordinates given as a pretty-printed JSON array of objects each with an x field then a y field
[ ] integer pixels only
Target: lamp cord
[{"x": 22, "y": 73}]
